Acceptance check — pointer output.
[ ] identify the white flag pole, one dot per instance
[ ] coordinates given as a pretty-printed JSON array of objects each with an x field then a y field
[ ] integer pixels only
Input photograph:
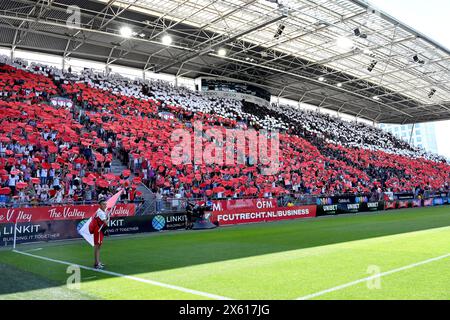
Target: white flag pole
[{"x": 15, "y": 235}]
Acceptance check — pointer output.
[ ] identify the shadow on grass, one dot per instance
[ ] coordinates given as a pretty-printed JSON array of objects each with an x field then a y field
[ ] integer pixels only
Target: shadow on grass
[
  {"x": 158, "y": 252},
  {"x": 18, "y": 284}
]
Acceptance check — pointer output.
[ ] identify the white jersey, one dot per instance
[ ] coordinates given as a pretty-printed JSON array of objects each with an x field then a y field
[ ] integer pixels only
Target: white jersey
[{"x": 101, "y": 214}]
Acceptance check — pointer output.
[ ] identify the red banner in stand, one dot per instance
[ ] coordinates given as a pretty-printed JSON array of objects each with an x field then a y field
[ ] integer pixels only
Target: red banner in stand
[
  {"x": 403, "y": 204},
  {"x": 12, "y": 215},
  {"x": 390, "y": 205},
  {"x": 252, "y": 215}
]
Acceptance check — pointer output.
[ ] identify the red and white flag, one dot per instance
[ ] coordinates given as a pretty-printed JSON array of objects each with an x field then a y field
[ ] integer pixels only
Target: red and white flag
[
  {"x": 113, "y": 200},
  {"x": 84, "y": 230}
]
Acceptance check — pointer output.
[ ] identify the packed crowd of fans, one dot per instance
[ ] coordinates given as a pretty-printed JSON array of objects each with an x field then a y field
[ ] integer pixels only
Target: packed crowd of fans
[
  {"x": 352, "y": 134},
  {"x": 64, "y": 153},
  {"x": 46, "y": 156}
]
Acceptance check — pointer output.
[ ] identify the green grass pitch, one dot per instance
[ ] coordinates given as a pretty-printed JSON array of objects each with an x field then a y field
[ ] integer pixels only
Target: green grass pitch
[{"x": 280, "y": 260}]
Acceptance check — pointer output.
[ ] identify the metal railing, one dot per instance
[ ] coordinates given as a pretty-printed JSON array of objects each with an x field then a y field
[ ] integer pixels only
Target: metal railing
[
  {"x": 155, "y": 205},
  {"x": 166, "y": 204}
]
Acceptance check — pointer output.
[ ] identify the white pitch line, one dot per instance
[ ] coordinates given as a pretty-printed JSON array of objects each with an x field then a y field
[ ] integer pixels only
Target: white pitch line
[
  {"x": 152, "y": 282},
  {"x": 343, "y": 286},
  {"x": 31, "y": 250}
]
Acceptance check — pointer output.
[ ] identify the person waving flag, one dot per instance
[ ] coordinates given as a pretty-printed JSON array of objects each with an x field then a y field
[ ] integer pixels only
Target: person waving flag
[
  {"x": 95, "y": 228},
  {"x": 98, "y": 227}
]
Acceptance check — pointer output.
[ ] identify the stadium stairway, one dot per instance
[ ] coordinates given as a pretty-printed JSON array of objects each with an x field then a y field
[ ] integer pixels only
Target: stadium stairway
[{"x": 149, "y": 205}]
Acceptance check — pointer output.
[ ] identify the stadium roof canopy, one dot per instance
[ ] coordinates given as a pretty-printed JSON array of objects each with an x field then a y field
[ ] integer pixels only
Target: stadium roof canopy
[{"x": 313, "y": 51}]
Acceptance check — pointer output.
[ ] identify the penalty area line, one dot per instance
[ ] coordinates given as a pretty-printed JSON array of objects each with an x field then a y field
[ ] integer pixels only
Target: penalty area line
[
  {"x": 346, "y": 285},
  {"x": 119, "y": 275}
]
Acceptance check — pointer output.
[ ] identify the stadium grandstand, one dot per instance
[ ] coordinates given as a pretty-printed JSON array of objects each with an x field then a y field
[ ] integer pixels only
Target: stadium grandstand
[{"x": 72, "y": 134}]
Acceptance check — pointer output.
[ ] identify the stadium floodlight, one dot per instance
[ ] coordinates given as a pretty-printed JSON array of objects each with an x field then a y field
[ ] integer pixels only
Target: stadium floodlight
[
  {"x": 358, "y": 33},
  {"x": 376, "y": 98},
  {"x": 166, "y": 40},
  {"x": 126, "y": 32},
  {"x": 431, "y": 94},
  {"x": 321, "y": 79},
  {"x": 339, "y": 85},
  {"x": 222, "y": 52},
  {"x": 372, "y": 65},
  {"x": 417, "y": 60},
  {"x": 344, "y": 43},
  {"x": 279, "y": 31}
]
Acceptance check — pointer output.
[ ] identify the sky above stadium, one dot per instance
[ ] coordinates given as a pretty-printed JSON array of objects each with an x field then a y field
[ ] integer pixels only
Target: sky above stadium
[{"x": 430, "y": 17}]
